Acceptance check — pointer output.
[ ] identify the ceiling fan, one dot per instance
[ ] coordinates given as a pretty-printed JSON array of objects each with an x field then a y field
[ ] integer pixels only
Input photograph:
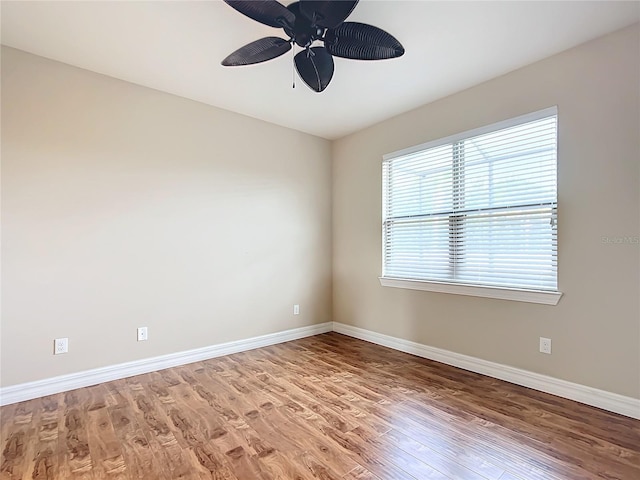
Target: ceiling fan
[{"x": 306, "y": 22}]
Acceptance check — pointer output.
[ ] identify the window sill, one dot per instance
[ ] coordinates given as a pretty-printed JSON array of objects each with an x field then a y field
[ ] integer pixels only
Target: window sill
[{"x": 531, "y": 296}]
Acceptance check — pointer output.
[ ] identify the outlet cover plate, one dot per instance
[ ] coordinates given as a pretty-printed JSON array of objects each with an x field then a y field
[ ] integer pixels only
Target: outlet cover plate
[
  {"x": 60, "y": 345},
  {"x": 545, "y": 345},
  {"x": 143, "y": 334}
]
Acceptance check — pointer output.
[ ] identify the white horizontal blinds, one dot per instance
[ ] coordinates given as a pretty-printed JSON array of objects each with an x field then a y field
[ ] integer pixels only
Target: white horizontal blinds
[
  {"x": 479, "y": 210},
  {"x": 418, "y": 205}
]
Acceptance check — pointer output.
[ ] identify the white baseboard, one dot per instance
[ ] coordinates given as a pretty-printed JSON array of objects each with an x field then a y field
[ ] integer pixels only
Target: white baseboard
[
  {"x": 63, "y": 383},
  {"x": 612, "y": 402}
]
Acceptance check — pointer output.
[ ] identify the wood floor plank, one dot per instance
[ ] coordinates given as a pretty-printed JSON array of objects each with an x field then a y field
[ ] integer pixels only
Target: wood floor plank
[
  {"x": 547, "y": 427},
  {"x": 323, "y": 418},
  {"x": 74, "y": 456},
  {"x": 139, "y": 457},
  {"x": 360, "y": 473},
  {"x": 170, "y": 456},
  {"x": 340, "y": 407},
  {"x": 541, "y": 472},
  {"x": 268, "y": 434},
  {"x": 46, "y": 461},
  {"x": 509, "y": 476},
  {"x": 104, "y": 447},
  {"x": 282, "y": 425},
  {"x": 477, "y": 436},
  {"x": 37, "y": 460},
  {"x": 528, "y": 450},
  {"x": 327, "y": 407},
  {"x": 457, "y": 467},
  {"x": 616, "y": 452},
  {"x": 16, "y": 423},
  {"x": 372, "y": 460}
]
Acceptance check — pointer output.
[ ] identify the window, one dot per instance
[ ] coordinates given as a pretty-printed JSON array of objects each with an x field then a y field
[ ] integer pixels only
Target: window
[{"x": 475, "y": 213}]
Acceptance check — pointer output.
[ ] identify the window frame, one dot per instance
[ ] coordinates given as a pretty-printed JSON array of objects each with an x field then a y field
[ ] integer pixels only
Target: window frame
[{"x": 547, "y": 297}]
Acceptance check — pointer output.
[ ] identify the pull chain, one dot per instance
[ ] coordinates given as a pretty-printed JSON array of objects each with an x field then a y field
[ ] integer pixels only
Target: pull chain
[{"x": 293, "y": 67}]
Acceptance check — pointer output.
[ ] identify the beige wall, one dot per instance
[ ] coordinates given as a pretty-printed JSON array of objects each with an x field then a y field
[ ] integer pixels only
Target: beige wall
[
  {"x": 125, "y": 207},
  {"x": 595, "y": 328}
]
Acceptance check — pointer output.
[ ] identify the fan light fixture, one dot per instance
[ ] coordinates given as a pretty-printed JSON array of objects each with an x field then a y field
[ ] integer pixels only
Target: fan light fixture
[{"x": 306, "y": 22}]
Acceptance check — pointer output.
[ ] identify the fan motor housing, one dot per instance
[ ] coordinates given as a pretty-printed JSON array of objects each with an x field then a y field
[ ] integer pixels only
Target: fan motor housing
[{"x": 304, "y": 33}]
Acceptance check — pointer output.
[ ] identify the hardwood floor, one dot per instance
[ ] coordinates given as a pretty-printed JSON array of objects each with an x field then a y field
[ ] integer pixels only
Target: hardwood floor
[{"x": 324, "y": 407}]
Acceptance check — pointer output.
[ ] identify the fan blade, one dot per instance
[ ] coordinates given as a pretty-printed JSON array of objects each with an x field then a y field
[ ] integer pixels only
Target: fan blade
[
  {"x": 316, "y": 68},
  {"x": 259, "y": 51},
  {"x": 360, "y": 41},
  {"x": 328, "y": 13},
  {"x": 269, "y": 12}
]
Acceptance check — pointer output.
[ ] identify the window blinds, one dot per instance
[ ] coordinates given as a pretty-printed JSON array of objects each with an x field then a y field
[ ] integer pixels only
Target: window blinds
[{"x": 478, "y": 208}]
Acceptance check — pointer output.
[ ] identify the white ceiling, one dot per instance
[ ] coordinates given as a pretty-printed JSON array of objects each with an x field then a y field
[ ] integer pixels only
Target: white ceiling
[{"x": 177, "y": 47}]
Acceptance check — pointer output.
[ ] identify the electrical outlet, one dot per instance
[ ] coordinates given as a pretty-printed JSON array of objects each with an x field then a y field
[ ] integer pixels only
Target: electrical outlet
[
  {"x": 60, "y": 345},
  {"x": 143, "y": 334},
  {"x": 545, "y": 345},
  {"x": 296, "y": 309}
]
